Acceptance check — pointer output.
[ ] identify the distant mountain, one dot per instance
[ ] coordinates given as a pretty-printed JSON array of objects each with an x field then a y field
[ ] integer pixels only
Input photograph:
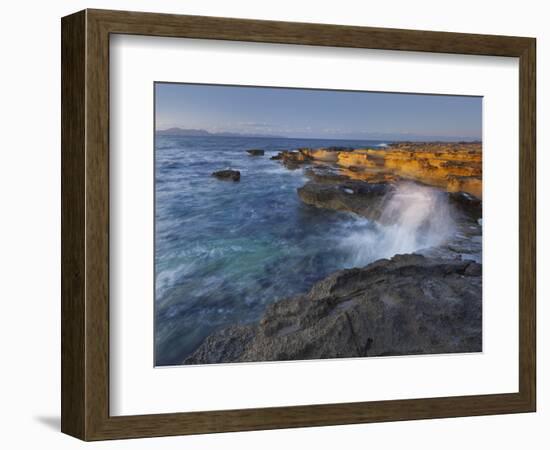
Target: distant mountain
[
  {"x": 176, "y": 131},
  {"x": 358, "y": 136},
  {"x": 183, "y": 132}
]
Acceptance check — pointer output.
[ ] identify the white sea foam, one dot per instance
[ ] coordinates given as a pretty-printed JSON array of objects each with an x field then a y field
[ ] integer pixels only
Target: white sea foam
[{"x": 414, "y": 217}]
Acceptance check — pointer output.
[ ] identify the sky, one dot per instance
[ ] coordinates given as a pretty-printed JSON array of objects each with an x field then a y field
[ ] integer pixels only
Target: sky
[{"x": 311, "y": 113}]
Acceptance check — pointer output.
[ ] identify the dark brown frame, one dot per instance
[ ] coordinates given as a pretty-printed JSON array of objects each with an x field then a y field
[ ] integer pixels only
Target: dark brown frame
[{"x": 85, "y": 224}]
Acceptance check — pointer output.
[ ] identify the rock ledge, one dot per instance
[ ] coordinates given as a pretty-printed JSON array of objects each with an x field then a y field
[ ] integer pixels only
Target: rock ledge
[{"x": 409, "y": 304}]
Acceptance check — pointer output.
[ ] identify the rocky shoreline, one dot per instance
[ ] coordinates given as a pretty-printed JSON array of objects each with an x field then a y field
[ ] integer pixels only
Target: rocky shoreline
[
  {"x": 421, "y": 303},
  {"x": 407, "y": 305},
  {"x": 454, "y": 167}
]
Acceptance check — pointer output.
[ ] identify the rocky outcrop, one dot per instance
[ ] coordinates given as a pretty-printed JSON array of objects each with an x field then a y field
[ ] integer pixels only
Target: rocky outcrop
[
  {"x": 255, "y": 152},
  {"x": 331, "y": 190},
  {"x": 293, "y": 159},
  {"x": 329, "y": 154},
  {"x": 228, "y": 174},
  {"x": 410, "y": 304},
  {"x": 454, "y": 167},
  {"x": 364, "y": 199}
]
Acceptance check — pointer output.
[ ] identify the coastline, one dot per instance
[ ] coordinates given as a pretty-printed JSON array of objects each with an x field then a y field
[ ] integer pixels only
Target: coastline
[
  {"x": 415, "y": 303},
  {"x": 409, "y": 304}
]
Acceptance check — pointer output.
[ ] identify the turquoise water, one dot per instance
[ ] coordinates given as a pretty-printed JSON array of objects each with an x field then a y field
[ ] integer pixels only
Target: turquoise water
[{"x": 225, "y": 250}]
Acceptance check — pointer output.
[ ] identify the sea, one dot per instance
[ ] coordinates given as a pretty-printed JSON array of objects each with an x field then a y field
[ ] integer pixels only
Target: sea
[{"x": 225, "y": 250}]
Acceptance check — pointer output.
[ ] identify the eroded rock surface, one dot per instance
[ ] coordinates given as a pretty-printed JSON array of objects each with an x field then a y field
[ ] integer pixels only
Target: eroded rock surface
[
  {"x": 410, "y": 304},
  {"x": 455, "y": 167}
]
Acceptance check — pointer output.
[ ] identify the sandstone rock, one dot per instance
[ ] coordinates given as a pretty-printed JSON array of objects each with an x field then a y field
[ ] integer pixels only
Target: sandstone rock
[
  {"x": 293, "y": 159},
  {"x": 467, "y": 203},
  {"x": 409, "y": 304},
  {"x": 329, "y": 154},
  {"x": 451, "y": 166},
  {"x": 227, "y": 174},
  {"x": 470, "y": 185}
]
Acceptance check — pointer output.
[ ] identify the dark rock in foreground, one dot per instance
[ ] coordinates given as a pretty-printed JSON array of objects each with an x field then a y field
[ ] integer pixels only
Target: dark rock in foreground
[
  {"x": 228, "y": 174},
  {"x": 407, "y": 305},
  {"x": 255, "y": 152}
]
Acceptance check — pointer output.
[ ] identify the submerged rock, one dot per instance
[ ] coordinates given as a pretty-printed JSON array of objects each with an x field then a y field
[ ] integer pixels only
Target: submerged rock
[
  {"x": 255, "y": 152},
  {"x": 227, "y": 174},
  {"x": 409, "y": 304}
]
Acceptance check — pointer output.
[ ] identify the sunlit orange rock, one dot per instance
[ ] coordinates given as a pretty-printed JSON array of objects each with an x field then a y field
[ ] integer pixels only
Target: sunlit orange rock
[{"x": 451, "y": 166}]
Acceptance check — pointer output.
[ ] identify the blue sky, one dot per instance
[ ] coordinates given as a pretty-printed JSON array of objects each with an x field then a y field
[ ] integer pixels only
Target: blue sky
[{"x": 307, "y": 113}]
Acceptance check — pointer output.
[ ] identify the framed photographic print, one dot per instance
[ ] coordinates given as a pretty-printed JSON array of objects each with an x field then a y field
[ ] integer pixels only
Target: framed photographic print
[{"x": 271, "y": 225}]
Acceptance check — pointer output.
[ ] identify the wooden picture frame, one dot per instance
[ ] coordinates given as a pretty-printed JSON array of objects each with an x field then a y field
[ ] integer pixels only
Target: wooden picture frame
[{"x": 85, "y": 224}]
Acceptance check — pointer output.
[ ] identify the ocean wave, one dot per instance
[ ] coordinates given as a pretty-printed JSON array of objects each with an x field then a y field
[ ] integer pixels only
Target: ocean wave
[{"x": 414, "y": 217}]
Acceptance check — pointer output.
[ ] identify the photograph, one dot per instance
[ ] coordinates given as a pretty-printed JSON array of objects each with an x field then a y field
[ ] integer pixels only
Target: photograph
[{"x": 302, "y": 224}]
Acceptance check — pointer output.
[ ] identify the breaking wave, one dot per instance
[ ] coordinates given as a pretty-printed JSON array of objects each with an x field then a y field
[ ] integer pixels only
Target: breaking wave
[{"x": 414, "y": 217}]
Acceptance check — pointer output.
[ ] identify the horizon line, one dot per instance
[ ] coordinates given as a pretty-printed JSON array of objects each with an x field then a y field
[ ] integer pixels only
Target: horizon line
[{"x": 236, "y": 134}]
